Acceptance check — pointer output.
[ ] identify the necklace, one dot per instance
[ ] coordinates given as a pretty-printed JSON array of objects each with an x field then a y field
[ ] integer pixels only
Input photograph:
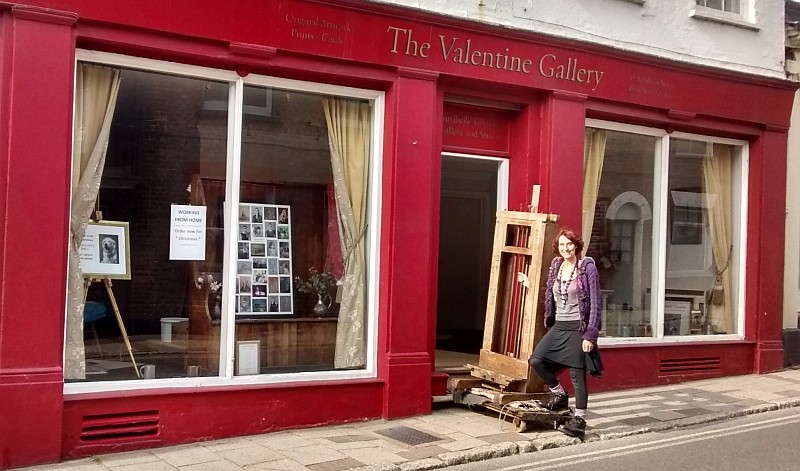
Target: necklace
[{"x": 563, "y": 285}]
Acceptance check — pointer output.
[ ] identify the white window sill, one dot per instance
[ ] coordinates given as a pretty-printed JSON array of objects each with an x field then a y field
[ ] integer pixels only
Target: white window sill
[
  {"x": 717, "y": 16},
  {"x": 668, "y": 340}
]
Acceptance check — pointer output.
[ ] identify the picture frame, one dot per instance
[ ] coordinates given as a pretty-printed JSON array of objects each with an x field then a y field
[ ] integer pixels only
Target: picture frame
[
  {"x": 248, "y": 361},
  {"x": 677, "y": 315},
  {"x": 105, "y": 250}
]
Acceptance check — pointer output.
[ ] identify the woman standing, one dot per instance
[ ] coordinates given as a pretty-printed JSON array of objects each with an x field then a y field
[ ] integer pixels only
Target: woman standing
[{"x": 572, "y": 317}]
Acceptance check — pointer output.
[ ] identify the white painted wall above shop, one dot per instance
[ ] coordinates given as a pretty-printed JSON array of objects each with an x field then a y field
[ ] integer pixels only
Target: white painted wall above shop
[{"x": 750, "y": 41}]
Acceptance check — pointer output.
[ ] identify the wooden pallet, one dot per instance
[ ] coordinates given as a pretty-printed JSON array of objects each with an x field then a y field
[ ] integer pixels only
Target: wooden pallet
[{"x": 521, "y": 408}]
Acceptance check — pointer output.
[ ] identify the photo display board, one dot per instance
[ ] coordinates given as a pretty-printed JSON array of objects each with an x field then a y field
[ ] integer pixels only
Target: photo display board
[{"x": 264, "y": 260}]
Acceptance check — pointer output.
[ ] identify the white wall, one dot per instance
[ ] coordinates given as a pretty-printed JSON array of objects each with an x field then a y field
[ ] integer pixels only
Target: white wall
[
  {"x": 791, "y": 283},
  {"x": 661, "y": 28}
]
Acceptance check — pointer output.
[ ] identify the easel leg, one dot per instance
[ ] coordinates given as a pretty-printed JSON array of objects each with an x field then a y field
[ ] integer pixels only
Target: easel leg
[{"x": 107, "y": 283}]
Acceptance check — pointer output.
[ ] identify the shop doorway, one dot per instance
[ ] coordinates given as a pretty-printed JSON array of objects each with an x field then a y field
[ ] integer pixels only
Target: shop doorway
[{"x": 473, "y": 189}]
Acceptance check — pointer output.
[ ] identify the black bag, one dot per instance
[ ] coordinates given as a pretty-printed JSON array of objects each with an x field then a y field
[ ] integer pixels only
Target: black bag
[{"x": 594, "y": 365}]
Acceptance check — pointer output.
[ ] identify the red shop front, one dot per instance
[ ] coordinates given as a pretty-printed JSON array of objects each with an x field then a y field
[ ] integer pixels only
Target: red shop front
[{"x": 300, "y": 193}]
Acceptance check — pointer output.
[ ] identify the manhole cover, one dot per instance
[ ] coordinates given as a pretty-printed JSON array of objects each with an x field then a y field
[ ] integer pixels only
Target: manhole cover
[{"x": 408, "y": 435}]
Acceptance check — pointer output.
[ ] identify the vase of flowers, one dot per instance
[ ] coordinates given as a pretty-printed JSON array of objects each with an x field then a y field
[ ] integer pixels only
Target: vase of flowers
[
  {"x": 215, "y": 299},
  {"x": 320, "y": 283}
]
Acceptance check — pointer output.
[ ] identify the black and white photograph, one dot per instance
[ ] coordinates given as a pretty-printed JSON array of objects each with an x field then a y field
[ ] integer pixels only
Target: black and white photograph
[
  {"x": 270, "y": 213},
  {"x": 273, "y": 266},
  {"x": 258, "y": 231},
  {"x": 286, "y": 304},
  {"x": 260, "y": 262},
  {"x": 257, "y": 250},
  {"x": 272, "y": 248},
  {"x": 677, "y": 312},
  {"x": 244, "y": 251},
  {"x": 260, "y": 305},
  {"x": 104, "y": 250},
  {"x": 273, "y": 285},
  {"x": 283, "y": 268},
  {"x": 256, "y": 212},
  {"x": 244, "y": 284},
  {"x": 273, "y": 304},
  {"x": 244, "y": 267},
  {"x": 285, "y": 285},
  {"x": 109, "y": 248},
  {"x": 283, "y": 249},
  {"x": 259, "y": 291},
  {"x": 244, "y": 303},
  {"x": 270, "y": 229},
  {"x": 283, "y": 215},
  {"x": 244, "y": 213},
  {"x": 283, "y": 232},
  {"x": 259, "y": 276},
  {"x": 244, "y": 231}
]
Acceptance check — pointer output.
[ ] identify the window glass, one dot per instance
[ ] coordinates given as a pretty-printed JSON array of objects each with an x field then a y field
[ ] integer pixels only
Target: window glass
[
  {"x": 295, "y": 285},
  {"x": 291, "y": 217},
  {"x": 701, "y": 236},
  {"x": 160, "y": 143},
  {"x": 699, "y": 295},
  {"x": 732, "y": 6},
  {"x": 621, "y": 241}
]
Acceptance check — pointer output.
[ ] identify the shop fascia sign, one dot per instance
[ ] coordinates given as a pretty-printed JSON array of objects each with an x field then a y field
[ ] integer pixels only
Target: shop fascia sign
[{"x": 463, "y": 51}]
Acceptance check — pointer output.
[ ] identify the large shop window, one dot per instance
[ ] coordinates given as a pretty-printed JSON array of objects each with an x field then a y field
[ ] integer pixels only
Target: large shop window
[
  {"x": 221, "y": 228},
  {"x": 666, "y": 223}
]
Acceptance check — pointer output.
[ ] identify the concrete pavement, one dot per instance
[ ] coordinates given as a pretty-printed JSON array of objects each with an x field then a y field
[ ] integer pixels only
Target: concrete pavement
[{"x": 454, "y": 434}]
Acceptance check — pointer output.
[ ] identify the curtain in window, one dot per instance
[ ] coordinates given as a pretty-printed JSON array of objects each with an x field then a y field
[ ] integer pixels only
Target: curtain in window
[
  {"x": 594, "y": 150},
  {"x": 96, "y": 89},
  {"x": 349, "y": 139},
  {"x": 717, "y": 181}
]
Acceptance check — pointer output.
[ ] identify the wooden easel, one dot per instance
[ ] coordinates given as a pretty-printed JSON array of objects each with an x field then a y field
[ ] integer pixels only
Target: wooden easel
[
  {"x": 87, "y": 283},
  {"x": 107, "y": 283},
  {"x": 514, "y": 314}
]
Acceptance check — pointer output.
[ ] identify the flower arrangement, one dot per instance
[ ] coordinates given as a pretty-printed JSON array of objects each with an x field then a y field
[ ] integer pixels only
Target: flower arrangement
[
  {"x": 321, "y": 284},
  {"x": 215, "y": 290}
]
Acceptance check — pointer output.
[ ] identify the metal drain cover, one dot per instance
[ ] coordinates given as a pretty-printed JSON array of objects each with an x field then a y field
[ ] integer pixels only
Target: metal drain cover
[{"x": 408, "y": 435}]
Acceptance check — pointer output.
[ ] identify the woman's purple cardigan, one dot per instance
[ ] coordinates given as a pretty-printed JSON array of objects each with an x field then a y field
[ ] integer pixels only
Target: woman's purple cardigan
[{"x": 588, "y": 282}]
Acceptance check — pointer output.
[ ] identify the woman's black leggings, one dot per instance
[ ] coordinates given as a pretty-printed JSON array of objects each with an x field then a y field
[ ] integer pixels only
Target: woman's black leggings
[{"x": 547, "y": 370}]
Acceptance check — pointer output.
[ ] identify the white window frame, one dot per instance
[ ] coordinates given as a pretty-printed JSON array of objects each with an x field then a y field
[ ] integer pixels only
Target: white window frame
[
  {"x": 746, "y": 18},
  {"x": 227, "y": 377},
  {"x": 661, "y": 236}
]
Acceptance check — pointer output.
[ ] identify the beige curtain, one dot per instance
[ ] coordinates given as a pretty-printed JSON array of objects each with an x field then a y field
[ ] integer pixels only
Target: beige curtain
[
  {"x": 349, "y": 139},
  {"x": 96, "y": 89},
  {"x": 594, "y": 151},
  {"x": 717, "y": 181}
]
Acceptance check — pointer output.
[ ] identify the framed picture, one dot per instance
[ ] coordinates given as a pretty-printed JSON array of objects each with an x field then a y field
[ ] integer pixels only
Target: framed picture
[
  {"x": 105, "y": 252},
  {"x": 677, "y": 315},
  {"x": 247, "y": 357}
]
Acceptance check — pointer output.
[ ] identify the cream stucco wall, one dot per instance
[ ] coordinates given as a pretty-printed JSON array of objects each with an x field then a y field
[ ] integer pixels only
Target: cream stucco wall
[
  {"x": 663, "y": 28},
  {"x": 791, "y": 275}
]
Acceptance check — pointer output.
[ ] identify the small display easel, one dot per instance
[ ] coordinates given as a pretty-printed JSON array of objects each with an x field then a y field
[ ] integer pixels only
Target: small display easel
[
  {"x": 520, "y": 260},
  {"x": 104, "y": 256},
  {"x": 107, "y": 283}
]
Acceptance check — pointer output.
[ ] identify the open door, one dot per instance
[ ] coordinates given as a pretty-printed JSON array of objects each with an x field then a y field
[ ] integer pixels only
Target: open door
[{"x": 473, "y": 189}]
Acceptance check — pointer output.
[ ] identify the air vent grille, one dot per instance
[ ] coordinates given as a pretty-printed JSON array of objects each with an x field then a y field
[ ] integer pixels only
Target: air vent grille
[
  {"x": 682, "y": 366},
  {"x": 126, "y": 425}
]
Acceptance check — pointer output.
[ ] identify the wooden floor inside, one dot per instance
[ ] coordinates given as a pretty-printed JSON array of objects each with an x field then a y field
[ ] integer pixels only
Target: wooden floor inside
[{"x": 454, "y": 362}]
